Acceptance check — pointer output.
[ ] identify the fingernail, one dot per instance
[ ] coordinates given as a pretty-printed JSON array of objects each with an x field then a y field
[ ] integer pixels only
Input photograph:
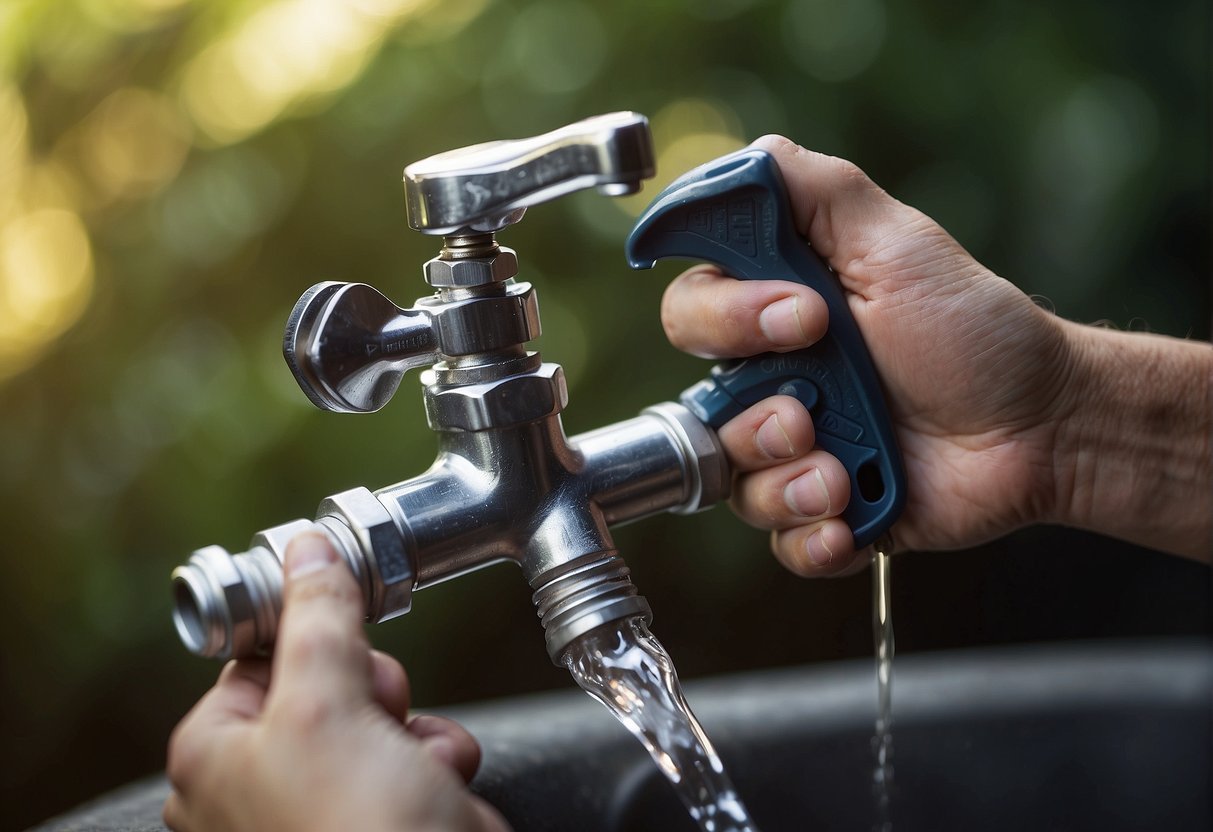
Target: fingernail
[
  {"x": 807, "y": 495},
  {"x": 819, "y": 553},
  {"x": 773, "y": 440},
  {"x": 308, "y": 553},
  {"x": 780, "y": 322}
]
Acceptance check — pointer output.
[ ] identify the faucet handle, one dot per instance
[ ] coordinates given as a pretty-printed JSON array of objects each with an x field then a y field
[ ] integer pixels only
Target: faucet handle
[
  {"x": 348, "y": 346},
  {"x": 485, "y": 187}
]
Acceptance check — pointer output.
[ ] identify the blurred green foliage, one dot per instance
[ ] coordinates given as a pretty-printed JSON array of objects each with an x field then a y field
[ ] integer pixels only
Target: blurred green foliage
[{"x": 174, "y": 174}]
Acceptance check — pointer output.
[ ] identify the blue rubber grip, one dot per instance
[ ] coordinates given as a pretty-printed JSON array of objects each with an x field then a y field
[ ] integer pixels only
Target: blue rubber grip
[{"x": 734, "y": 212}]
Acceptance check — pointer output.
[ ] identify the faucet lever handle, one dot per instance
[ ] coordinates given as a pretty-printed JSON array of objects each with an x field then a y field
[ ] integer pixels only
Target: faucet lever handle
[
  {"x": 348, "y": 346},
  {"x": 485, "y": 187}
]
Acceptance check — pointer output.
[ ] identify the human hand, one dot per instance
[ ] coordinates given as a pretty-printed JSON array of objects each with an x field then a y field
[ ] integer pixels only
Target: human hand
[
  {"x": 319, "y": 738},
  {"x": 975, "y": 374}
]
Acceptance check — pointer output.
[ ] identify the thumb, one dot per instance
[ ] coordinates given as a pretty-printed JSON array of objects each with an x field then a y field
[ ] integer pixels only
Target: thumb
[{"x": 321, "y": 652}]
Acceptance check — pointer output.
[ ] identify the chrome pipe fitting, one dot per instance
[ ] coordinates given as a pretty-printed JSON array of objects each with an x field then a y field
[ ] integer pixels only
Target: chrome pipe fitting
[
  {"x": 227, "y": 605},
  {"x": 587, "y": 593}
]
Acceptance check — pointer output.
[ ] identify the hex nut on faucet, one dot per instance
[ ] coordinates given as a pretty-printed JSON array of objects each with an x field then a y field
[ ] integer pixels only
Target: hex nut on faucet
[
  {"x": 389, "y": 564},
  {"x": 513, "y": 400},
  {"x": 279, "y": 537},
  {"x": 474, "y": 271},
  {"x": 483, "y": 324}
]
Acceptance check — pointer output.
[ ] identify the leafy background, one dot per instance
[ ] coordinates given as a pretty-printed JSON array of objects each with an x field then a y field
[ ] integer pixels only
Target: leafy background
[{"x": 173, "y": 174}]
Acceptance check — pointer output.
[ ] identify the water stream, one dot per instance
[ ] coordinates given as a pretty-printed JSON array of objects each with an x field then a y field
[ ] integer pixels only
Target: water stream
[
  {"x": 882, "y": 737},
  {"x": 625, "y": 668},
  {"x": 622, "y": 666}
]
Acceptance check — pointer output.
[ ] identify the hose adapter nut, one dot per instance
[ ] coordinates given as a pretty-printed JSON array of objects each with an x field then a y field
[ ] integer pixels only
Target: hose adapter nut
[
  {"x": 389, "y": 573},
  {"x": 227, "y": 606}
]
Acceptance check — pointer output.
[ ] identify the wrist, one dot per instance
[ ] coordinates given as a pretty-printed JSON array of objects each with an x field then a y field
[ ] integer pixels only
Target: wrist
[{"x": 1133, "y": 443}]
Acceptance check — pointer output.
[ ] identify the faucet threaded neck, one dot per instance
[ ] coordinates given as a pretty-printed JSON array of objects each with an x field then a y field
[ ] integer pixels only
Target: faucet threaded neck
[{"x": 583, "y": 594}]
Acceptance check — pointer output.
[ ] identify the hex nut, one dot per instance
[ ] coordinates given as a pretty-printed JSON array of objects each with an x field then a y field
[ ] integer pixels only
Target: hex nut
[
  {"x": 513, "y": 400},
  {"x": 474, "y": 271},
  {"x": 230, "y": 624},
  {"x": 484, "y": 324},
  {"x": 392, "y": 573},
  {"x": 277, "y": 538}
]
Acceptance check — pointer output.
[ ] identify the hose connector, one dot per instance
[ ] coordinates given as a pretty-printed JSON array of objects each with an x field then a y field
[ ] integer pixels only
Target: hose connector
[{"x": 227, "y": 605}]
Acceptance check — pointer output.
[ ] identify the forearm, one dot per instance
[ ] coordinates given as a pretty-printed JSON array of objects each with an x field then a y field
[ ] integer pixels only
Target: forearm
[{"x": 1133, "y": 455}]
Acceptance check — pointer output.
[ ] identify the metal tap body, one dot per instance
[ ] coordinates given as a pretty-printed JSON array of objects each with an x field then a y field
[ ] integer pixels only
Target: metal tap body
[
  {"x": 525, "y": 493},
  {"x": 507, "y": 483}
]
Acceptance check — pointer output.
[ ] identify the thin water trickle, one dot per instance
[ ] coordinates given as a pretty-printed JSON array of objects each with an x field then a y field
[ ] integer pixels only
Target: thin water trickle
[
  {"x": 627, "y": 670},
  {"x": 882, "y": 738}
]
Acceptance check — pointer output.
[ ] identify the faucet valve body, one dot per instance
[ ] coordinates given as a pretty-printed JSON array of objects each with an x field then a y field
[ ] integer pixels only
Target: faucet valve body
[{"x": 524, "y": 493}]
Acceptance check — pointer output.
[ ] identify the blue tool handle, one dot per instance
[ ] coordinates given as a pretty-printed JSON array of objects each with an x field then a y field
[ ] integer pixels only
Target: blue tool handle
[{"x": 734, "y": 212}]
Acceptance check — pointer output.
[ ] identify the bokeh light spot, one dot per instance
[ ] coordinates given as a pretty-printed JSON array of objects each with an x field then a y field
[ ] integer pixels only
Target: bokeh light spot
[
  {"x": 14, "y": 145},
  {"x": 686, "y": 133},
  {"x": 1087, "y": 148},
  {"x": 123, "y": 16},
  {"x": 834, "y": 40},
  {"x": 719, "y": 9},
  {"x": 558, "y": 47},
  {"x": 133, "y": 143},
  {"x": 216, "y": 207},
  {"x": 283, "y": 54},
  {"x": 46, "y": 278}
]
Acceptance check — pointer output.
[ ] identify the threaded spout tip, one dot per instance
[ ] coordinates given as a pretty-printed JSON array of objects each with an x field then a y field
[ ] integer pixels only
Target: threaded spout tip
[{"x": 584, "y": 594}]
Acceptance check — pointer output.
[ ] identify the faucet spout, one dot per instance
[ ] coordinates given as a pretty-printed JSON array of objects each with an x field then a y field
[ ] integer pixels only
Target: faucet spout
[{"x": 583, "y": 595}]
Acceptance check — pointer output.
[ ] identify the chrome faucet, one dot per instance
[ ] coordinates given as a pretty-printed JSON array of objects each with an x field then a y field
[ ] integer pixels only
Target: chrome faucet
[{"x": 508, "y": 484}]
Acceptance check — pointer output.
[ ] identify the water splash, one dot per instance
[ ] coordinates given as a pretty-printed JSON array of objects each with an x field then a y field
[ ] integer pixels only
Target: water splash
[
  {"x": 625, "y": 668},
  {"x": 882, "y": 737}
]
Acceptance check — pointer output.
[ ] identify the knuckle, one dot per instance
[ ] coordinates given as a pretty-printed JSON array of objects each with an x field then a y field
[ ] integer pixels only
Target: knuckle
[
  {"x": 787, "y": 407},
  {"x": 302, "y": 715},
  {"x": 770, "y": 505},
  {"x": 316, "y": 641},
  {"x": 783, "y": 548},
  {"x": 778, "y": 145},
  {"x": 172, "y": 814},
  {"x": 184, "y": 759},
  {"x": 734, "y": 321},
  {"x": 838, "y": 481},
  {"x": 758, "y": 505},
  {"x": 324, "y": 587},
  {"x": 229, "y": 671},
  {"x": 683, "y": 304},
  {"x": 847, "y": 174},
  {"x": 671, "y": 320}
]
